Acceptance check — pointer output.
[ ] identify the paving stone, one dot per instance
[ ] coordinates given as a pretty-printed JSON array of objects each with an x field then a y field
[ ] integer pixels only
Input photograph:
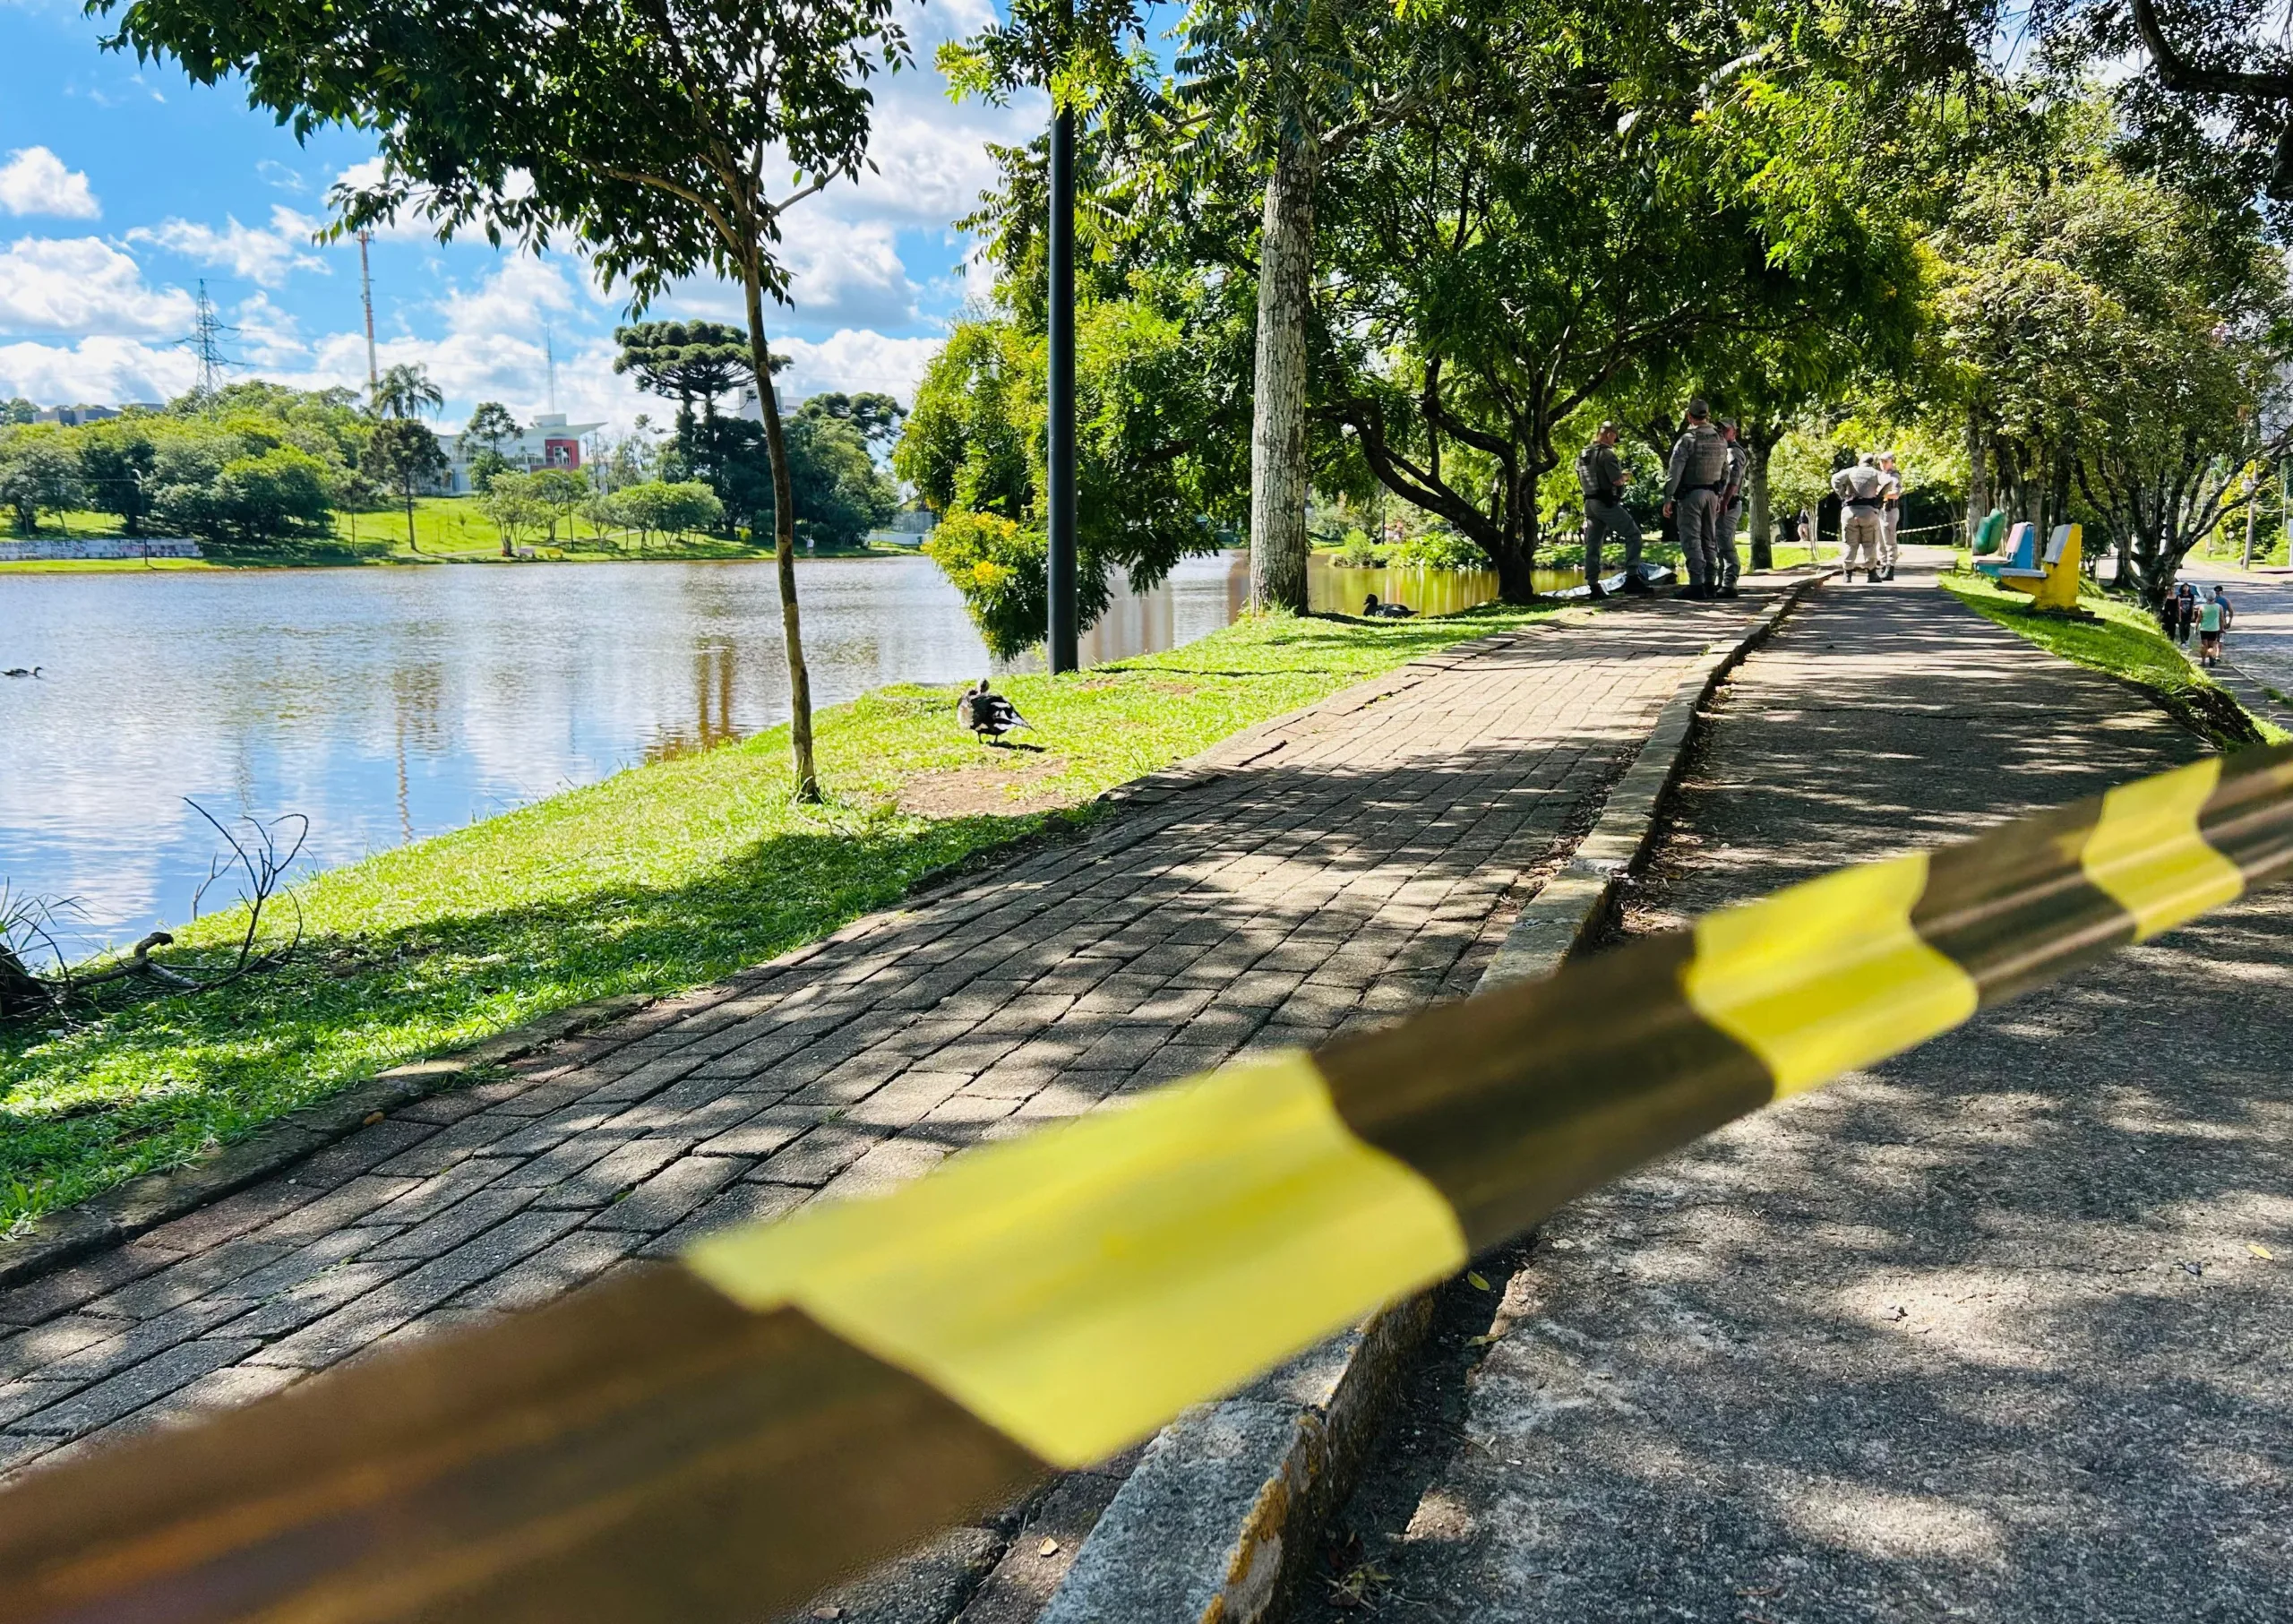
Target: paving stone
[
  {"x": 137, "y": 1387},
  {"x": 195, "y": 1276},
  {"x": 552, "y": 1271},
  {"x": 888, "y": 1164},
  {"x": 470, "y": 1216},
  {"x": 671, "y": 1194},
  {"x": 433, "y": 1196},
  {"x": 355, "y": 1201},
  {"x": 21, "y": 1399},
  {"x": 449, "y": 1147},
  {"x": 137, "y": 1342},
  {"x": 817, "y": 1157},
  {"x": 68, "y": 1287},
  {"x": 764, "y": 1131},
  {"x": 376, "y": 1313},
  {"x": 314, "y": 1297},
  {"x": 907, "y": 1100},
  {"x": 31, "y": 1350},
  {"x": 619, "y": 1169}
]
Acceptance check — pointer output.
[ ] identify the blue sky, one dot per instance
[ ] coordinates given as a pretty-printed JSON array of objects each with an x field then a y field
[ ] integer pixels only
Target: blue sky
[{"x": 122, "y": 185}]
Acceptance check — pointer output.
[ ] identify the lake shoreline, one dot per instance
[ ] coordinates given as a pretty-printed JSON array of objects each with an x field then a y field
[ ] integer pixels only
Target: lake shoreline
[{"x": 660, "y": 878}]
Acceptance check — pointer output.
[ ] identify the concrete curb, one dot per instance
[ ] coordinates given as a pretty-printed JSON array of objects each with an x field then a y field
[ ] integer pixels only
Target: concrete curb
[{"x": 1221, "y": 1519}]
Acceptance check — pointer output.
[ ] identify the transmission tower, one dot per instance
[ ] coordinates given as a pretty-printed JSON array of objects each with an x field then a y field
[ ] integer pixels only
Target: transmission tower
[{"x": 208, "y": 331}]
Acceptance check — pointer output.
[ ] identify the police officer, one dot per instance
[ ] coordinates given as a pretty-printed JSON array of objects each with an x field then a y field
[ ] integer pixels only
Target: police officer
[
  {"x": 1890, "y": 516},
  {"x": 1862, "y": 492},
  {"x": 1695, "y": 479},
  {"x": 1600, "y": 476},
  {"x": 1732, "y": 510}
]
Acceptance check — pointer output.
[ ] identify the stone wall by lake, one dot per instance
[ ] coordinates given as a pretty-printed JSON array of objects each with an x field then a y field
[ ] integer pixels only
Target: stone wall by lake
[{"x": 106, "y": 546}]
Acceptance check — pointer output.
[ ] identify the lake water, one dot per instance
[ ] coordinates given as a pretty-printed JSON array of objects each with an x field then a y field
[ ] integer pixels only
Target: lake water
[{"x": 388, "y": 704}]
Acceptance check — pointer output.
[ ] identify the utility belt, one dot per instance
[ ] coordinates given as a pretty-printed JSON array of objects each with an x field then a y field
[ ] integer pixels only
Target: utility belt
[{"x": 1594, "y": 499}]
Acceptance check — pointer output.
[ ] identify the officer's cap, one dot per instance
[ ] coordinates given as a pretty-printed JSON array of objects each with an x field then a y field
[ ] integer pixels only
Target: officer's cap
[
  {"x": 1699, "y": 407},
  {"x": 1608, "y": 426}
]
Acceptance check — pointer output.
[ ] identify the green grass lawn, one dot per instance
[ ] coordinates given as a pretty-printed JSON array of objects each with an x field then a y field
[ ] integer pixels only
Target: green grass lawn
[
  {"x": 2122, "y": 639},
  {"x": 664, "y": 876},
  {"x": 447, "y": 529}
]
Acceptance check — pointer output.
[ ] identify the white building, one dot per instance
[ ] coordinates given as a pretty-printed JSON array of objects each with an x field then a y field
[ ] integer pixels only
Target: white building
[{"x": 549, "y": 441}]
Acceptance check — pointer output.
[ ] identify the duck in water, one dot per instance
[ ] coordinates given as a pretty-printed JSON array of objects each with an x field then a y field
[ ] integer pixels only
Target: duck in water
[
  {"x": 1371, "y": 609},
  {"x": 988, "y": 713},
  {"x": 23, "y": 671}
]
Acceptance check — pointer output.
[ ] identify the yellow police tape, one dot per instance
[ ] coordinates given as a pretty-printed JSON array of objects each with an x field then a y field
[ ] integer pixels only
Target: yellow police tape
[{"x": 719, "y": 1439}]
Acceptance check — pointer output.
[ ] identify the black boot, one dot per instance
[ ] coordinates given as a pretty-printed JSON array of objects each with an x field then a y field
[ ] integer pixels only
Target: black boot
[
  {"x": 1635, "y": 586},
  {"x": 1597, "y": 592},
  {"x": 1730, "y": 590}
]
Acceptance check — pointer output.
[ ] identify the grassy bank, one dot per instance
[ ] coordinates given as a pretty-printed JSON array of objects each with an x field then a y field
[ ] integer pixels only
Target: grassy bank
[
  {"x": 2125, "y": 641},
  {"x": 666, "y": 876},
  {"x": 447, "y": 529}
]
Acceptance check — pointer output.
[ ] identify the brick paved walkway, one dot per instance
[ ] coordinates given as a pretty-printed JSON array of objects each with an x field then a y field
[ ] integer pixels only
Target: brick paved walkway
[{"x": 1351, "y": 861}]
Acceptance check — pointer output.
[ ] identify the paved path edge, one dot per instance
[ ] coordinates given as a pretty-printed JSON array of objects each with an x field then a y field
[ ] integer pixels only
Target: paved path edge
[
  {"x": 1221, "y": 1519},
  {"x": 141, "y": 1204}
]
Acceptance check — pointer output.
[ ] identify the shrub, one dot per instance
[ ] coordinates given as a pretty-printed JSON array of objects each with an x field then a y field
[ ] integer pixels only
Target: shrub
[
  {"x": 1000, "y": 568},
  {"x": 1440, "y": 550}
]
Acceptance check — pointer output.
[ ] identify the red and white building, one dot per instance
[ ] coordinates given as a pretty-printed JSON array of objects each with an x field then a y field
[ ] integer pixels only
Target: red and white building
[{"x": 548, "y": 442}]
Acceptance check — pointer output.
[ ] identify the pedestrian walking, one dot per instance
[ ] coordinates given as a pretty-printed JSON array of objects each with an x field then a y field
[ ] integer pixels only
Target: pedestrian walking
[
  {"x": 2185, "y": 612},
  {"x": 1695, "y": 479},
  {"x": 1600, "y": 476},
  {"x": 2209, "y": 632},
  {"x": 1732, "y": 508},
  {"x": 1862, "y": 496},
  {"x": 1808, "y": 532},
  {"x": 1890, "y": 516}
]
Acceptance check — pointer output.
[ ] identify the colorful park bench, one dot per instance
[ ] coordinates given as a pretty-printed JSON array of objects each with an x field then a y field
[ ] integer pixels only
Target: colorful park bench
[{"x": 2051, "y": 581}]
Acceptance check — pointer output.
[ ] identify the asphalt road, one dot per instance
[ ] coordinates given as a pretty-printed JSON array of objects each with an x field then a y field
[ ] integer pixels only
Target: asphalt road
[{"x": 1988, "y": 1333}]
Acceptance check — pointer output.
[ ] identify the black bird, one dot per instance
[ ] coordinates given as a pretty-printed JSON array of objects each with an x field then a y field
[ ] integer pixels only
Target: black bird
[
  {"x": 1371, "y": 609},
  {"x": 20, "y": 671},
  {"x": 988, "y": 715}
]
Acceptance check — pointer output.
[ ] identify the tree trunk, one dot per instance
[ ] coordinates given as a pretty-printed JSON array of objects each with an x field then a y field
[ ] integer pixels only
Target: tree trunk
[
  {"x": 784, "y": 542},
  {"x": 1278, "y": 541},
  {"x": 412, "y": 545},
  {"x": 1756, "y": 504},
  {"x": 2253, "y": 511},
  {"x": 1978, "y": 477}
]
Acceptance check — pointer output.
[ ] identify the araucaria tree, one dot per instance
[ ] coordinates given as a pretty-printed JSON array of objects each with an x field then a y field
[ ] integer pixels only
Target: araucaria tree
[{"x": 663, "y": 133}]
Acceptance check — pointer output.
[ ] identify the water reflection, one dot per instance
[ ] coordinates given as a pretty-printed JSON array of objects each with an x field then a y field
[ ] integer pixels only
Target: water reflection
[{"x": 388, "y": 704}]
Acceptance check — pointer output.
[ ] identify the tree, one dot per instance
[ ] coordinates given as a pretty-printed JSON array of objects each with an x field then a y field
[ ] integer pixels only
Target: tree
[
  {"x": 17, "y": 409},
  {"x": 686, "y": 362},
  {"x": 485, "y": 467},
  {"x": 515, "y": 507},
  {"x": 649, "y": 129},
  {"x": 1161, "y": 434},
  {"x": 876, "y": 419},
  {"x": 491, "y": 423},
  {"x": 405, "y": 456},
  {"x": 38, "y": 471},
  {"x": 1508, "y": 257},
  {"x": 253, "y": 500},
  {"x": 561, "y": 492},
  {"x": 407, "y": 392},
  {"x": 116, "y": 461}
]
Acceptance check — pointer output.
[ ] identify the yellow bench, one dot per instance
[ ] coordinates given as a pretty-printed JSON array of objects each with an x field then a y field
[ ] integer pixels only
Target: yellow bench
[{"x": 2052, "y": 580}]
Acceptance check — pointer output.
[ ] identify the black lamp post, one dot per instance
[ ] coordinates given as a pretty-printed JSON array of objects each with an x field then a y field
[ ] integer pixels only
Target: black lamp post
[{"x": 1062, "y": 492}]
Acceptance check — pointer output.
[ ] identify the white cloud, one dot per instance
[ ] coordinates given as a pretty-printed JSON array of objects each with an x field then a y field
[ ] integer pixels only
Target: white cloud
[
  {"x": 108, "y": 370},
  {"x": 34, "y": 181},
  {"x": 855, "y": 359},
  {"x": 264, "y": 257},
  {"x": 83, "y": 286}
]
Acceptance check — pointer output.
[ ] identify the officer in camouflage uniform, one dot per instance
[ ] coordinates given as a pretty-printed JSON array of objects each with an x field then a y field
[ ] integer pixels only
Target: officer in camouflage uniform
[
  {"x": 1695, "y": 479},
  {"x": 1890, "y": 516},
  {"x": 1600, "y": 476},
  {"x": 1732, "y": 510},
  {"x": 1862, "y": 492}
]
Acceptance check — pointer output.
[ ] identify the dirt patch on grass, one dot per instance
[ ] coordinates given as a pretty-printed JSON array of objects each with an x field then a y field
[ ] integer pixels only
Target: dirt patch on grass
[{"x": 1002, "y": 783}]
